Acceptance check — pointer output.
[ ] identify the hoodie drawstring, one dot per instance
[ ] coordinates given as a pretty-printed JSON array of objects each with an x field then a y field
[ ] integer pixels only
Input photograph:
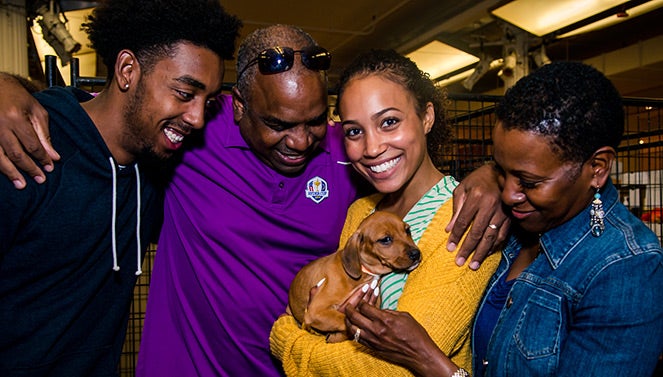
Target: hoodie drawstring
[
  {"x": 116, "y": 267},
  {"x": 138, "y": 250}
]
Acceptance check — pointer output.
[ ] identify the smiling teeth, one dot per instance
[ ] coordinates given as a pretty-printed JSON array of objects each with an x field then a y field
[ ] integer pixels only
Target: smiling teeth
[
  {"x": 385, "y": 166},
  {"x": 174, "y": 137},
  {"x": 292, "y": 157}
]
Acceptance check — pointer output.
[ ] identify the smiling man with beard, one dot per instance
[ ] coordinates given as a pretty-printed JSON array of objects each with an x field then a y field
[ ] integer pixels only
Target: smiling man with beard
[{"x": 71, "y": 249}]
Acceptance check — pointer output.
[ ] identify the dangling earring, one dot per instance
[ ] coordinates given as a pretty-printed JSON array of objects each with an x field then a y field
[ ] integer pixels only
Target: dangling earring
[{"x": 596, "y": 215}]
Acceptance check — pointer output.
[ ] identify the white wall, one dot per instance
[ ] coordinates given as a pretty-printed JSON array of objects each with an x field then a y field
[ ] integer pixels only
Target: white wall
[{"x": 13, "y": 37}]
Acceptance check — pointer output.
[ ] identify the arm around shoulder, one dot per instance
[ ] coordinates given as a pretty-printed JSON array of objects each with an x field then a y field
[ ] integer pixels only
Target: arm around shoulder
[
  {"x": 23, "y": 132},
  {"x": 478, "y": 210}
]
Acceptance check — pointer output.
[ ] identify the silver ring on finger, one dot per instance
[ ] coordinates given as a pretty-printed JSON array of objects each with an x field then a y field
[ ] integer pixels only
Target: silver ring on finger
[
  {"x": 492, "y": 226},
  {"x": 357, "y": 335}
]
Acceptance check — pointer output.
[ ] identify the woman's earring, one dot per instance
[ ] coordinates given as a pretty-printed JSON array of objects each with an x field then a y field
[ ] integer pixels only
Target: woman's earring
[
  {"x": 126, "y": 86},
  {"x": 596, "y": 215}
]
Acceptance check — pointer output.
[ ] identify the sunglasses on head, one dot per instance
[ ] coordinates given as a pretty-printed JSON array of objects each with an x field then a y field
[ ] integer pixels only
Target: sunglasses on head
[{"x": 280, "y": 59}]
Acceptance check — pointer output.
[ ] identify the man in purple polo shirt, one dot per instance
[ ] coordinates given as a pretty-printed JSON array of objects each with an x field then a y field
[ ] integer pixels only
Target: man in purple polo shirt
[{"x": 265, "y": 194}]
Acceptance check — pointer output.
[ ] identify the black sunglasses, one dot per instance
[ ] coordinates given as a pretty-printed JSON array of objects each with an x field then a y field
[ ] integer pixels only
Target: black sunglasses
[{"x": 280, "y": 59}]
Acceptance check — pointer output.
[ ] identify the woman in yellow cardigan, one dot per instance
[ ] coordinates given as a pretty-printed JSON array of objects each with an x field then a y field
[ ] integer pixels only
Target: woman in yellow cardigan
[{"x": 392, "y": 115}]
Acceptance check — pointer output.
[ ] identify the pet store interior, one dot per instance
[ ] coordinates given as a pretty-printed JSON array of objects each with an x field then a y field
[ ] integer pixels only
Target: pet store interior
[{"x": 475, "y": 50}]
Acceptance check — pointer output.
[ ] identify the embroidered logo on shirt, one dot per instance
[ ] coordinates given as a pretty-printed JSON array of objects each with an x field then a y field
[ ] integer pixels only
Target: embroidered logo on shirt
[{"x": 317, "y": 189}]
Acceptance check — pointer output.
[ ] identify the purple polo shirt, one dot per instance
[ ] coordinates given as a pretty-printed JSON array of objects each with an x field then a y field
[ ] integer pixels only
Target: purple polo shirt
[{"x": 235, "y": 234}]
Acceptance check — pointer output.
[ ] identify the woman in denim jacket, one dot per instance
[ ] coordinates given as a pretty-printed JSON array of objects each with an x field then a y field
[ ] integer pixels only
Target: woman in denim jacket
[{"x": 579, "y": 290}]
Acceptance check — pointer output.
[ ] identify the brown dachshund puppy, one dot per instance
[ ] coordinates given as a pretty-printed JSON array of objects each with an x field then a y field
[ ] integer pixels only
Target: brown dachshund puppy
[{"x": 382, "y": 244}]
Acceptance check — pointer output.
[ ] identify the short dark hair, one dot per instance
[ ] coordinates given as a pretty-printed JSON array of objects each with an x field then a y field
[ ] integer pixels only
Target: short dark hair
[
  {"x": 572, "y": 104},
  {"x": 403, "y": 71},
  {"x": 152, "y": 28}
]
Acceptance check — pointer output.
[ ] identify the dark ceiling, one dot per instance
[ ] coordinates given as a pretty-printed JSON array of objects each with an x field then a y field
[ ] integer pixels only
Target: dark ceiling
[{"x": 347, "y": 27}]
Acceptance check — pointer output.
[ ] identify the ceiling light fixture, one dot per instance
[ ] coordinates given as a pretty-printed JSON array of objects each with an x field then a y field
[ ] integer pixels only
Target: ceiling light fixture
[
  {"x": 562, "y": 18},
  {"x": 542, "y": 17},
  {"x": 55, "y": 32},
  {"x": 621, "y": 16},
  {"x": 439, "y": 59}
]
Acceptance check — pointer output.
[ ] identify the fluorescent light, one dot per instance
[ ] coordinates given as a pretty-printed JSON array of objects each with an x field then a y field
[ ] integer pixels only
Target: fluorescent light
[
  {"x": 439, "y": 59},
  {"x": 609, "y": 21},
  {"x": 542, "y": 17}
]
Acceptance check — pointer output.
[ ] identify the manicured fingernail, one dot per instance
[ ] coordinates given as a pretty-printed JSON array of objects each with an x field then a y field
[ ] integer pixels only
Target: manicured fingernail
[
  {"x": 376, "y": 291},
  {"x": 18, "y": 184},
  {"x": 460, "y": 261},
  {"x": 39, "y": 179},
  {"x": 451, "y": 246},
  {"x": 474, "y": 265},
  {"x": 320, "y": 282},
  {"x": 364, "y": 288},
  {"x": 48, "y": 168},
  {"x": 374, "y": 284}
]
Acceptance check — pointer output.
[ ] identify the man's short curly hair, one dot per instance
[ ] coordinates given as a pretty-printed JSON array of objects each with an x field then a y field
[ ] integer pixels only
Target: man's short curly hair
[
  {"x": 572, "y": 104},
  {"x": 403, "y": 71},
  {"x": 151, "y": 28}
]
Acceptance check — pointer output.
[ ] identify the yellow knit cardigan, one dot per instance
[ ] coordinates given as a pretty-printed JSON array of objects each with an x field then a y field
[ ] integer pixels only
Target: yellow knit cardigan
[{"x": 441, "y": 296}]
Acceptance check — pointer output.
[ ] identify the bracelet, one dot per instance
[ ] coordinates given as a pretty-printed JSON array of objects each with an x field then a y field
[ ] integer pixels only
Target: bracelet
[{"x": 460, "y": 373}]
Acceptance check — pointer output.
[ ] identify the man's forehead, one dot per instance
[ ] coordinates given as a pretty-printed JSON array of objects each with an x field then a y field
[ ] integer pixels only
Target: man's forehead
[
  {"x": 286, "y": 39},
  {"x": 193, "y": 65},
  {"x": 288, "y": 101},
  {"x": 295, "y": 83}
]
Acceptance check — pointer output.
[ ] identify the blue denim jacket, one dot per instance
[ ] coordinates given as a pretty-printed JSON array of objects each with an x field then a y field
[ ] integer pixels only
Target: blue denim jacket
[{"x": 587, "y": 306}]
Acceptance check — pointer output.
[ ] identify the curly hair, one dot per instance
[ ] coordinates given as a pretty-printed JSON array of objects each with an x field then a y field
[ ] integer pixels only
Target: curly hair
[
  {"x": 403, "y": 71},
  {"x": 572, "y": 104},
  {"x": 152, "y": 28},
  {"x": 264, "y": 38}
]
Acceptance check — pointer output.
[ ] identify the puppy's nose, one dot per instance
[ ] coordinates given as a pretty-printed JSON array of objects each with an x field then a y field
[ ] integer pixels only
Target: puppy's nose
[{"x": 414, "y": 255}]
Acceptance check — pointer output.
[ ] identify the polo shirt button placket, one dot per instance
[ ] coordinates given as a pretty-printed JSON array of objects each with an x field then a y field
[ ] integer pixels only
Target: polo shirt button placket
[{"x": 279, "y": 195}]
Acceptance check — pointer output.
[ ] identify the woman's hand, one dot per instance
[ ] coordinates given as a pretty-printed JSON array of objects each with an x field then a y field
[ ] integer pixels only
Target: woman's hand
[
  {"x": 397, "y": 337},
  {"x": 368, "y": 293},
  {"x": 477, "y": 202}
]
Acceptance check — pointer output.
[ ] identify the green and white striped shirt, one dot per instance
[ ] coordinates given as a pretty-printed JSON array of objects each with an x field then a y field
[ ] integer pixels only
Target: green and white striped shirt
[{"x": 421, "y": 214}]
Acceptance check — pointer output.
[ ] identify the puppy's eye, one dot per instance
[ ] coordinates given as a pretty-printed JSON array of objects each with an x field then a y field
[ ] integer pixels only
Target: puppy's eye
[
  {"x": 408, "y": 231},
  {"x": 386, "y": 240}
]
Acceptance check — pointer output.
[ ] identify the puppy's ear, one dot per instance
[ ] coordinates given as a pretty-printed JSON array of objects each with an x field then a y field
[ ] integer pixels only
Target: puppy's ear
[{"x": 350, "y": 255}]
